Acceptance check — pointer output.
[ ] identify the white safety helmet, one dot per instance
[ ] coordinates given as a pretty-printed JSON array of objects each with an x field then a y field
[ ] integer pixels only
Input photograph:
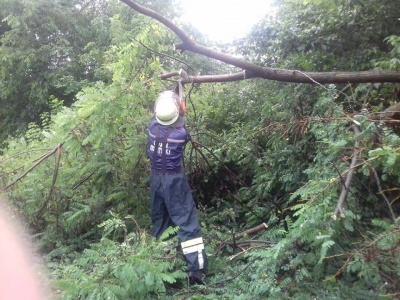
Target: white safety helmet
[{"x": 166, "y": 108}]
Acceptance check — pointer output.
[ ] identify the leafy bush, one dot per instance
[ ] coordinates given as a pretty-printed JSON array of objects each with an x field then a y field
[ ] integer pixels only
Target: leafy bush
[{"x": 134, "y": 269}]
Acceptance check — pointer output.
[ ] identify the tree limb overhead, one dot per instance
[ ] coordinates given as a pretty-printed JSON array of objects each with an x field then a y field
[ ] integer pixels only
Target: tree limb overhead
[{"x": 256, "y": 71}]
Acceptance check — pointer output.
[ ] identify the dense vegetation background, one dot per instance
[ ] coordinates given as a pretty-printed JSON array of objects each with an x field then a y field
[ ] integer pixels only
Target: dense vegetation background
[{"x": 77, "y": 83}]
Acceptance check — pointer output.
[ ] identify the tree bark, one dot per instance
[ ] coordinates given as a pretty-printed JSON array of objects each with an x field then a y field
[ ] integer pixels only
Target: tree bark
[
  {"x": 256, "y": 71},
  {"x": 251, "y": 231}
]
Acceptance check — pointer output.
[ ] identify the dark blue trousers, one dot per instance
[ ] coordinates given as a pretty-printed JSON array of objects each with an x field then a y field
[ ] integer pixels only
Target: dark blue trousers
[{"x": 172, "y": 205}]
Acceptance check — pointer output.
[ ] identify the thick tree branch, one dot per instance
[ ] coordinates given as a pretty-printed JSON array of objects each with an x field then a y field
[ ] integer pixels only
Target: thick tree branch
[
  {"x": 252, "y": 70},
  {"x": 251, "y": 231},
  {"x": 210, "y": 78}
]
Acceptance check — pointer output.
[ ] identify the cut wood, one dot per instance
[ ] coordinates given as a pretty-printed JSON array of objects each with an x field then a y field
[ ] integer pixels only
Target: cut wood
[{"x": 251, "y": 231}]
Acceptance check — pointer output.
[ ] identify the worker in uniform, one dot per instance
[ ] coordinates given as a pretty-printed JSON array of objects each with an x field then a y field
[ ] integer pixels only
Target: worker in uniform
[{"x": 171, "y": 196}]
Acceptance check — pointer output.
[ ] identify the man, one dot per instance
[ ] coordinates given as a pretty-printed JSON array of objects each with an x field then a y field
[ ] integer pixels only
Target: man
[{"x": 171, "y": 197}]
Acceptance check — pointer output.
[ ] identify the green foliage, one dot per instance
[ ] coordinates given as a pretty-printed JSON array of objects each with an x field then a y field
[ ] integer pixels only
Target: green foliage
[
  {"x": 134, "y": 269},
  {"x": 114, "y": 225},
  {"x": 387, "y": 158},
  {"x": 102, "y": 161},
  {"x": 262, "y": 152},
  {"x": 392, "y": 62},
  {"x": 47, "y": 49},
  {"x": 324, "y": 35}
]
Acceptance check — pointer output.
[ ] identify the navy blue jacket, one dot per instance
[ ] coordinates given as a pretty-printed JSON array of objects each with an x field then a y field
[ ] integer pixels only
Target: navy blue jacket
[{"x": 168, "y": 139}]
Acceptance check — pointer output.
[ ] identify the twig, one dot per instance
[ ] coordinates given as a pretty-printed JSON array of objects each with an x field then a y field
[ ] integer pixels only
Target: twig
[
  {"x": 378, "y": 182},
  {"x": 166, "y": 55},
  {"x": 219, "y": 283},
  {"x": 21, "y": 153},
  {"x": 136, "y": 224},
  {"x": 359, "y": 252},
  {"x": 340, "y": 271},
  {"x": 235, "y": 244},
  {"x": 249, "y": 242},
  {"x": 171, "y": 257},
  {"x": 244, "y": 251},
  {"x": 391, "y": 295},
  {"x": 340, "y": 175},
  {"x": 82, "y": 181},
  {"x": 190, "y": 100},
  {"x": 313, "y": 80}
]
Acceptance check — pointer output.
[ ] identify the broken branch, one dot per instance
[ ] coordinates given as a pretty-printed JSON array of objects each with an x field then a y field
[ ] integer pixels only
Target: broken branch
[
  {"x": 39, "y": 161},
  {"x": 253, "y": 70},
  {"x": 55, "y": 174},
  {"x": 349, "y": 178},
  {"x": 251, "y": 231}
]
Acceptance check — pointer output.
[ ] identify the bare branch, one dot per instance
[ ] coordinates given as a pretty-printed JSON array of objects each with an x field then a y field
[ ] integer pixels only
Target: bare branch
[
  {"x": 245, "y": 251},
  {"x": 220, "y": 283},
  {"x": 378, "y": 182},
  {"x": 55, "y": 174},
  {"x": 252, "y": 70},
  {"x": 39, "y": 161},
  {"x": 358, "y": 252},
  {"x": 349, "y": 178}
]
